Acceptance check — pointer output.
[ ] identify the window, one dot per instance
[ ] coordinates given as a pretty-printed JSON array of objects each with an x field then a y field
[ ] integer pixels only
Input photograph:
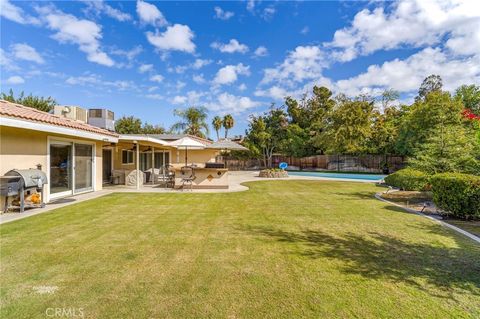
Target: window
[
  {"x": 97, "y": 113},
  {"x": 127, "y": 157},
  {"x": 110, "y": 115},
  {"x": 159, "y": 159}
]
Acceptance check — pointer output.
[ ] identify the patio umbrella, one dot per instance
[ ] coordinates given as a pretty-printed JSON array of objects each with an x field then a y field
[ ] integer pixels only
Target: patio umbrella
[{"x": 187, "y": 143}]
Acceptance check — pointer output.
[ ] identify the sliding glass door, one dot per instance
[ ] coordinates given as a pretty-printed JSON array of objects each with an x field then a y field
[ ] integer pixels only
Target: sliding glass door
[
  {"x": 83, "y": 167},
  {"x": 71, "y": 168},
  {"x": 61, "y": 169}
]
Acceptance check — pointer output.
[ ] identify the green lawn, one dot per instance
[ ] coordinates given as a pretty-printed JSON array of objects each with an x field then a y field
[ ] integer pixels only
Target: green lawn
[{"x": 284, "y": 249}]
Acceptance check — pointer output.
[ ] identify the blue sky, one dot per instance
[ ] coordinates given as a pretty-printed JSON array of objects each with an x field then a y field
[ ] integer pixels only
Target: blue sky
[{"x": 146, "y": 58}]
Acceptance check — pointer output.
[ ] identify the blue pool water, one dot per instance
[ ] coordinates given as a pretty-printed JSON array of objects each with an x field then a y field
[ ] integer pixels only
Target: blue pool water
[{"x": 368, "y": 177}]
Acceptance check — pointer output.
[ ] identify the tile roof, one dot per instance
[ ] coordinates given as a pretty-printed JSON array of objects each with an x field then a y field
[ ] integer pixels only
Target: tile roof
[{"x": 18, "y": 111}]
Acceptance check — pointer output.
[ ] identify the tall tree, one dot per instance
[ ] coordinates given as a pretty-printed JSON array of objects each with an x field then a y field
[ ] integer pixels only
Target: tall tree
[
  {"x": 351, "y": 126},
  {"x": 450, "y": 148},
  {"x": 152, "y": 129},
  {"x": 228, "y": 123},
  {"x": 423, "y": 117},
  {"x": 217, "y": 123},
  {"x": 193, "y": 121},
  {"x": 309, "y": 118},
  {"x": 470, "y": 97},
  {"x": 128, "y": 125},
  {"x": 388, "y": 96},
  {"x": 266, "y": 134},
  {"x": 432, "y": 83},
  {"x": 37, "y": 102}
]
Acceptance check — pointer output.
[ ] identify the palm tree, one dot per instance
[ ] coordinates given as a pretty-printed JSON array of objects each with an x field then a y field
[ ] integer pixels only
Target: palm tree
[
  {"x": 194, "y": 121},
  {"x": 228, "y": 123},
  {"x": 217, "y": 125}
]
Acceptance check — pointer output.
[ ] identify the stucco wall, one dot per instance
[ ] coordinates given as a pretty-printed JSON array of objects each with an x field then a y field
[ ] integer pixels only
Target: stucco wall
[
  {"x": 194, "y": 156},
  {"x": 21, "y": 149}
]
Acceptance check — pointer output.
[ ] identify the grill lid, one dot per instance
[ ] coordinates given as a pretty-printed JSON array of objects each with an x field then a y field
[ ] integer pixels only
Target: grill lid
[{"x": 31, "y": 177}]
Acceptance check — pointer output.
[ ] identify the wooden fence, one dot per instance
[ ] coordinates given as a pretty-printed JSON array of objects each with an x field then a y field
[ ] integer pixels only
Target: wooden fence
[{"x": 340, "y": 163}]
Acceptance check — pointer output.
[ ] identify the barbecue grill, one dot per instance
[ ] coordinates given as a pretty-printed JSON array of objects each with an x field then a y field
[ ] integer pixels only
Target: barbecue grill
[{"x": 21, "y": 182}]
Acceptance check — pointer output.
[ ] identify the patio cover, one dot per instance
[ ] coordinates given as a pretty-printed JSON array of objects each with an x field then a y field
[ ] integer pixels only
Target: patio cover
[{"x": 226, "y": 144}]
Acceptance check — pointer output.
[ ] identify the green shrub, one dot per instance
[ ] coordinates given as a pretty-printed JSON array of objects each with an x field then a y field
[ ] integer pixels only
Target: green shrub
[
  {"x": 457, "y": 194},
  {"x": 408, "y": 179}
]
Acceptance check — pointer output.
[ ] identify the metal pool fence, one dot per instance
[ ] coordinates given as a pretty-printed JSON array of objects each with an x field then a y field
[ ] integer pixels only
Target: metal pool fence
[{"x": 338, "y": 163}]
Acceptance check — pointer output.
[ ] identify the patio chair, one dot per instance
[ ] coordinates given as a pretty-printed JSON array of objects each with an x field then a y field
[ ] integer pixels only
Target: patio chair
[
  {"x": 166, "y": 177},
  {"x": 188, "y": 176}
]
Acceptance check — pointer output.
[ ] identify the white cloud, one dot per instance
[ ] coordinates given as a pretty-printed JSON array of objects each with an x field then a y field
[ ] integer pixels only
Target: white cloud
[
  {"x": 191, "y": 98},
  {"x": 156, "y": 78},
  {"x": 200, "y": 63},
  {"x": 242, "y": 87},
  {"x": 268, "y": 13},
  {"x": 407, "y": 75},
  {"x": 275, "y": 92},
  {"x": 305, "y": 30},
  {"x": 129, "y": 54},
  {"x": 15, "y": 80},
  {"x": 251, "y": 5},
  {"x": 16, "y": 14},
  {"x": 22, "y": 51},
  {"x": 145, "y": 68},
  {"x": 229, "y": 74},
  {"x": 5, "y": 62},
  {"x": 100, "y": 7},
  {"x": 230, "y": 47},
  {"x": 177, "y": 37},
  {"x": 96, "y": 81},
  {"x": 415, "y": 23},
  {"x": 149, "y": 14},
  {"x": 84, "y": 33},
  {"x": 198, "y": 78},
  {"x": 221, "y": 14},
  {"x": 304, "y": 63},
  {"x": 154, "y": 96},
  {"x": 179, "y": 99},
  {"x": 229, "y": 103},
  {"x": 261, "y": 51},
  {"x": 180, "y": 85}
]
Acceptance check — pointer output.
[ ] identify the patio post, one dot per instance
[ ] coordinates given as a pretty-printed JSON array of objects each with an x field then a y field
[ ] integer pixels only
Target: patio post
[
  {"x": 138, "y": 164},
  {"x": 153, "y": 164}
]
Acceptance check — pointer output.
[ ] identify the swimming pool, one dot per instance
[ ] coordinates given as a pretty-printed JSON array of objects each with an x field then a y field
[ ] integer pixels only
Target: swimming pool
[{"x": 365, "y": 177}]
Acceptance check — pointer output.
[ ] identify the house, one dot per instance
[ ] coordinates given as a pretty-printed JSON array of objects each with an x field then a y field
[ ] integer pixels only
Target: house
[
  {"x": 78, "y": 157},
  {"x": 68, "y": 151}
]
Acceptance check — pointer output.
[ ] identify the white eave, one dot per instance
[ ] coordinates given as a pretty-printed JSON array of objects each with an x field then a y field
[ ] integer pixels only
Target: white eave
[
  {"x": 141, "y": 138},
  {"x": 45, "y": 127}
]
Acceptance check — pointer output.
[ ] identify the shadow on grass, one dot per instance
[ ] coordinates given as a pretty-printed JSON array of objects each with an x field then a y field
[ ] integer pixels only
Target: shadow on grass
[
  {"x": 378, "y": 256},
  {"x": 356, "y": 195}
]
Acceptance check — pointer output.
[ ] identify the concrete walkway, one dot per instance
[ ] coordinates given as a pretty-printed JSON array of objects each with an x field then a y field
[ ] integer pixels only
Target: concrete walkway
[
  {"x": 236, "y": 178},
  {"x": 11, "y": 216}
]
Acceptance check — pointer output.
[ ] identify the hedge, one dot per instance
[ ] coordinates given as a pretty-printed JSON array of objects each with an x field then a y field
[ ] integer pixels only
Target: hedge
[
  {"x": 457, "y": 194},
  {"x": 408, "y": 179}
]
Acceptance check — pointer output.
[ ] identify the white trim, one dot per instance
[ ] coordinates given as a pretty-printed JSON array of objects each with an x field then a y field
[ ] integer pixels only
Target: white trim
[
  {"x": 135, "y": 138},
  {"x": 133, "y": 156},
  {"x": 72, "y": 142},
  {"x": 6, "y": 121},
  {"x": 112, "y": 163}
]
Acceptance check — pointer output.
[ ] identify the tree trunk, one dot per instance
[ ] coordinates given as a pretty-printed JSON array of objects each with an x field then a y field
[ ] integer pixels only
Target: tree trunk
[{"x": 226, "y": 133}]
